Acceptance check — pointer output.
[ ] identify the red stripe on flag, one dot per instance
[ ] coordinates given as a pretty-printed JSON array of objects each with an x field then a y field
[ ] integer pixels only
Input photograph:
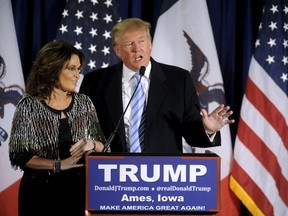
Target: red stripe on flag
[
  {"x": 229, "y": 202},
  {"x": 262, "y": 153},
  {"x": 265, "y": 107},
  {"x": 9, "y": 200},
  {"x": 254, "y": 192}
]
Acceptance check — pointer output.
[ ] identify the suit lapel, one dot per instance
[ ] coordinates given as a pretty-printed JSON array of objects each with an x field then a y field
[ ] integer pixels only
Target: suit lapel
[
  {"x": 157, "y": 90},
  {"x": 114, "y": 100}
]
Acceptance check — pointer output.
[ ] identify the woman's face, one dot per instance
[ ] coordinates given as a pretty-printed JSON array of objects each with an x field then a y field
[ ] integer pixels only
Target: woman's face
[{"x": 70, "y": 74}]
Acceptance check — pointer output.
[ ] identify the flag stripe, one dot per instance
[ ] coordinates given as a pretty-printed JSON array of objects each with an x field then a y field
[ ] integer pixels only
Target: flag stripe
[
  {"x": 9, "y": 200},
  {"x": 261, "y": 127},
  {"x": 253, "y": 142},
  {"x": 268, "y": 87},
  {"x": 243, "y": 194},
  {"x": 263, "y": 104},
  {"x": 253, "y": 182}
]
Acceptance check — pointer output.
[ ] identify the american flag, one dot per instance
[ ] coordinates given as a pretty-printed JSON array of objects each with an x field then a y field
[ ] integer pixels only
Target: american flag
[
  {"x": 260, "y": 167},
  {"x": 87, "y": 24}
]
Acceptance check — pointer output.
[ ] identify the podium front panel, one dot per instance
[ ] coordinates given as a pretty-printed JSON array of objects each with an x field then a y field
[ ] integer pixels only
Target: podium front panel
[{"x": 137, "y": 183}]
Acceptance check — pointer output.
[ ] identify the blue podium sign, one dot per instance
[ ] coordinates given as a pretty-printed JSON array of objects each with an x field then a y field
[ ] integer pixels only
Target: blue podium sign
[{"x": 153, "y": 183}]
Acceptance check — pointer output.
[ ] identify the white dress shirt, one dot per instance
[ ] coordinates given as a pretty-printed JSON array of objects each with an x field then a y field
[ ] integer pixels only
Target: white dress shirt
[{"x": 128, "y": 82}]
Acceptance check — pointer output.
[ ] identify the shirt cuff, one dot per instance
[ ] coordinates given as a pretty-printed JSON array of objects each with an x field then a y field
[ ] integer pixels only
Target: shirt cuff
[{"x": 211, "y": 136}]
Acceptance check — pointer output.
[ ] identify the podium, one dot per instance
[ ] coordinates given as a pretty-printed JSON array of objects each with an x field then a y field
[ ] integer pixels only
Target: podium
[{"x": 152, "y": 184}]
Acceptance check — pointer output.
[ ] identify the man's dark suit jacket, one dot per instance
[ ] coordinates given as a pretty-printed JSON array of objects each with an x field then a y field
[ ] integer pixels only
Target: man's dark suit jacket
[{"x": 172, "y": 110}]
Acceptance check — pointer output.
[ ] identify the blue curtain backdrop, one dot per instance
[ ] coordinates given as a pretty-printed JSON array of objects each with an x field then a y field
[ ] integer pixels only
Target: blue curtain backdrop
[{"x": 234, "y": 23}]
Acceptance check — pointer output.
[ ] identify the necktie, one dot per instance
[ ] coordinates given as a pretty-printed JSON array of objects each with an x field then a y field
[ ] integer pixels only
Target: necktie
[{"x": 137, "y": 118}]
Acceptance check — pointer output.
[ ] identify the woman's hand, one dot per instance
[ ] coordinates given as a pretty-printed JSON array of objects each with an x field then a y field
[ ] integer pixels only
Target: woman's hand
[
  {"x": 79, "y": 148},
  {"x": 84, "y": 146},
  {"x": 70, "y": 162}
]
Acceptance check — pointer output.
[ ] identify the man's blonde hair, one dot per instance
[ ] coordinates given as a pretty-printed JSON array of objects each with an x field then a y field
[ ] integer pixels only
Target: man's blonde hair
[{"x": 130, "y": 25}]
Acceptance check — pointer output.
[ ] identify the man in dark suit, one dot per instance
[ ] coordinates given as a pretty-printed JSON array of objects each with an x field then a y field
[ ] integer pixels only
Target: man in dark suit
[{"x": 172, "y": 106}]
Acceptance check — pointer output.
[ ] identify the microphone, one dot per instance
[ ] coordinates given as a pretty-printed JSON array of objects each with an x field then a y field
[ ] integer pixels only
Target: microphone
[{"x": 111, "y": 137}]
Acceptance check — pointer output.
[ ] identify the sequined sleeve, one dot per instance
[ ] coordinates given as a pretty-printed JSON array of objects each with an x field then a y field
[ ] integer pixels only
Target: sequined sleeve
[
  {"x": 34, "y": 132},
  {"x": 22, "y": 127}
]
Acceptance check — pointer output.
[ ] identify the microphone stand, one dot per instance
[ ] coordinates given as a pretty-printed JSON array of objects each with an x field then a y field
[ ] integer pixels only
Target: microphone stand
[{"x": 111, "y": 137}]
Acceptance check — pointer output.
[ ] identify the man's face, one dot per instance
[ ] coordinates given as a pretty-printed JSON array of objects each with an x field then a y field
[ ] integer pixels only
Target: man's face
[{"x": 134, "y": 49}]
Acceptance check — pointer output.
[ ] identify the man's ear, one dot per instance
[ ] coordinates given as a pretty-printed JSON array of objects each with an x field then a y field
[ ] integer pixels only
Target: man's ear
[{"x": 117, "y": 51}]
